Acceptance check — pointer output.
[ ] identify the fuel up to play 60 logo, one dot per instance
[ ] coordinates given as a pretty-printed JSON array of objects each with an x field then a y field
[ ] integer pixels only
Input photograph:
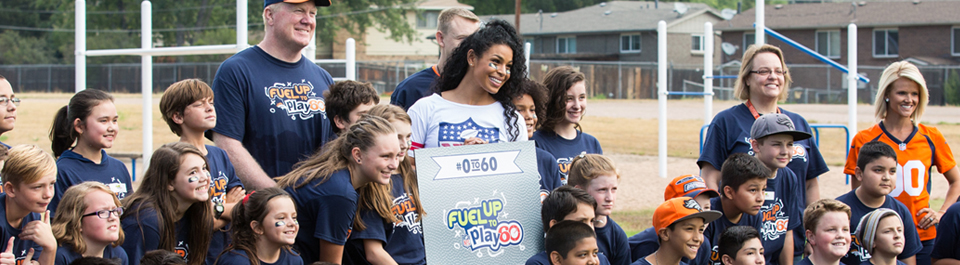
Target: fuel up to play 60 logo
[{"x": 479, "y": 226}]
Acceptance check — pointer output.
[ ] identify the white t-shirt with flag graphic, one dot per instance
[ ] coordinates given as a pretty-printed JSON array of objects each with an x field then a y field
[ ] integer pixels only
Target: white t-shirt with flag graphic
[{"x": 437, "y": 122}]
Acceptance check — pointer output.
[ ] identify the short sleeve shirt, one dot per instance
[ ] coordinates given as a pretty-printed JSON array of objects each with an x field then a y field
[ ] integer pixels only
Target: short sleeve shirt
[
  {"x": 325, "y": 210},
  {"x": 857, "y": 253},
  {"x": 565, "y": 150},
  {"x": 414, "y": 88},
  {"x": 73, "y": 169},
  {"x": 437, "y": 122},
  {"x": 20, "y": 247}
]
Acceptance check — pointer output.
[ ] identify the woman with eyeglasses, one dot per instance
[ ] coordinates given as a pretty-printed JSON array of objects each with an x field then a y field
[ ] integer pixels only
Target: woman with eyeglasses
[
  {"x": 479, "y": 81},
  {"x": 763, "y": 81},
  {"x": 8, "y": 107},
  {"x": 902, "y": 97},
  {"x": 87, "y": 224},
  {"x": 171, "y": 210}
]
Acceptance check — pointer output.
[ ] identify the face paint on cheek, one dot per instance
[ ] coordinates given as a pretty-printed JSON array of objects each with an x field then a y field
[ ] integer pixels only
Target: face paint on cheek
[
  {"x": 193, "y": 179},
  {"x": 494, "y": 66},
  {"x": 280, "y": 223}
]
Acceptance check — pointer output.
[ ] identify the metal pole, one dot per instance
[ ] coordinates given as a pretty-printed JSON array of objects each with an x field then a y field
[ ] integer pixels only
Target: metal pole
[
  {"x": 526, "y": 55},
  {"x": 662, "y": 95},
  {"x": 241, "y": 25},
  {"x": 707, "y": 72},
  {"x": 758, "y": 28},
  {"x": 351, "y": 59},
  {"x": 146, "y": 90},
  {"x": 852, "y": 79},
  {"x": 80, "y": 45}
]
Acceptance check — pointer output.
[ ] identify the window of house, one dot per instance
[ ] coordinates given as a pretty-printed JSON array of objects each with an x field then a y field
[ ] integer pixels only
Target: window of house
[
  {"x": 954, "y": 42},
  {"x": 828, "y": 43},
  {"x": 886, "y": 43},
  {"x": 567, "y": 44},
  {"x": 696, "y": 43},
  {"x": 630, "y": 43},
  {"x": 428, "y": 19},
  {"x": 750, "y": 38}
]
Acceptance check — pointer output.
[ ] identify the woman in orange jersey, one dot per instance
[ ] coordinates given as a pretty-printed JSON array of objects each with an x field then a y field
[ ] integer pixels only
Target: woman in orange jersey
[{"x": 900, "y": 102}]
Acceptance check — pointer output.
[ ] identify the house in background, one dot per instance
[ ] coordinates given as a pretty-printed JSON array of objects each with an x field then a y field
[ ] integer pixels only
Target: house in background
[
  {"x": 619, "y": 31},
  {"x": 376, "y": 46},
  {"x": 922, "y": 31}
]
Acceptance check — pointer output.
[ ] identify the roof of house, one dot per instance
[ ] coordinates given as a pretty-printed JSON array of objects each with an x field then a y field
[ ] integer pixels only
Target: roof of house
[
  {"x": 838, "y": 15},
  {"x": 614, "y": 16},
  {"x": 441, "y": 4}
]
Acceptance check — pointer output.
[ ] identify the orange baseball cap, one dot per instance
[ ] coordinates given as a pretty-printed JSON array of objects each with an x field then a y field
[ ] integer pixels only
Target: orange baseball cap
[
  {"x": 687, "y": 186},
  {"x": 317, "y": 2},
  {"x": 680, "y": 209}
]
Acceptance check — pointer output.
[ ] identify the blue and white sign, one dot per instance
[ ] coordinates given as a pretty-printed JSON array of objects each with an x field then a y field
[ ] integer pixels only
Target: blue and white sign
[{"x": 482, "y": 203}]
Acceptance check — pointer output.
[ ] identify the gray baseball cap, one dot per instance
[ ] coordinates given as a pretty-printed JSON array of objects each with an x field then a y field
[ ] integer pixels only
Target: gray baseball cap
[{"x": 775, "y": 123}]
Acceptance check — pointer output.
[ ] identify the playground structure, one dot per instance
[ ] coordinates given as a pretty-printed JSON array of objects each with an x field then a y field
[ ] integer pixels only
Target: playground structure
[
  {"x": 147, "y": 51},
  {"x": 760, "y": 31}
]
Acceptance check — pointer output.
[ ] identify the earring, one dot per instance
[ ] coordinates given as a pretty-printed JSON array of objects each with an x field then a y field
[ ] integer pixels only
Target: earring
[
  {"x": 358, "y": 160},
  {"x": 886, "y": 100}
]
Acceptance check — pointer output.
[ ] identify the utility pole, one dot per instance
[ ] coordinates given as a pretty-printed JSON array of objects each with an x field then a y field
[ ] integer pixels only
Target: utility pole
[{"x": 517, "y": 17}]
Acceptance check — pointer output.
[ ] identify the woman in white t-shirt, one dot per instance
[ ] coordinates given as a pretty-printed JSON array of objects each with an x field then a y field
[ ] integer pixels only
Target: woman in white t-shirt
[{"x": 473, "y": 99}]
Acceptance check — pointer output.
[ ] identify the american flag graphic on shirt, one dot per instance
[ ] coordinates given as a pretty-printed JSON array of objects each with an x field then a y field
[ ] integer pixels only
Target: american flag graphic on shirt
[{"x": 453, "y": 134}]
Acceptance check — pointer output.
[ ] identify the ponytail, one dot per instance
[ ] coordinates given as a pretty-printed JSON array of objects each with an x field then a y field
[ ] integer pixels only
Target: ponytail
[{"x": 62, "y": 132}]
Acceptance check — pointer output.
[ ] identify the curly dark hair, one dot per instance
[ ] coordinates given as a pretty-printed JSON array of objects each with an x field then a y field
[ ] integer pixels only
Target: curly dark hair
[
  {"x": 538, "y": 93},
  {"x": 455, "y": 68}
]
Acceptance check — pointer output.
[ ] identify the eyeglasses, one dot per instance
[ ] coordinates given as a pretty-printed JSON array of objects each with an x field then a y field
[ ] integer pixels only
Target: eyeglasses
[
  {"x": 5, "y": 100},
  {"x": 104, "y": 214},
  {"x": 765, "y": 72}
]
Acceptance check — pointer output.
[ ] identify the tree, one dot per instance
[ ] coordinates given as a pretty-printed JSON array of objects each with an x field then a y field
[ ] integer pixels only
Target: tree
[{"x": 951, "y": 92}]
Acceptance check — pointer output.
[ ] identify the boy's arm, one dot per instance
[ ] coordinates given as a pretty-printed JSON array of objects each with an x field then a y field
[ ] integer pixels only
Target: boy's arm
[
  {"x": 945, "y": 262},
  {"x": 711, "y": 176},
  {"x": 786, "y": 255},
  {"x": 812, "y": 191},
  {"x": 248, "y": 170}
]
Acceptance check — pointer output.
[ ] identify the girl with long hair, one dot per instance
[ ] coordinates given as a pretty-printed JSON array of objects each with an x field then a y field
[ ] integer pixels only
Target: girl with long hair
[
  {"x": 480, "y": 78},
  {"x": 87, "y": 224},
  {"x": 265, "y": 227},
  {"x": 350, "y": 173},
  {"x": 81, "y": 131},
  {"x": 560, "y": 133},
  {"x": 902, "y": 97},
  {"x": 399, "y": 242},
  {"x": 171, "y": 209}
]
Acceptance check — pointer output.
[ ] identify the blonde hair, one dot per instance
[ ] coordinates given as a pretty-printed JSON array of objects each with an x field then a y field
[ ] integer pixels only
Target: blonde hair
[
  {"x": 816, "y": 210},
  {"x": 897, "y": 70},
  {"x": 393, "y": 113},
  {"x": 447, "y": 15},
  {"x": 27, "y": 164},
  {"x": 587, "y": 167},
  {"x": 740, "y": 89},
  {"x": 69, "y": 216}
]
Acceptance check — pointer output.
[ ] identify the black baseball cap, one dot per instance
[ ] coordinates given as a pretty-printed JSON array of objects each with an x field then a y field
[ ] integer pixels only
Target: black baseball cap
[
  {"x": 776, "y": 123},
  {"x": 317, "y": 2}
]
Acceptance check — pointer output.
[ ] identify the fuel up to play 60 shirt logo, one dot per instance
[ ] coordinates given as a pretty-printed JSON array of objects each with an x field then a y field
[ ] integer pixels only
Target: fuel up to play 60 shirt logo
[{"x": 297, "y": 99}]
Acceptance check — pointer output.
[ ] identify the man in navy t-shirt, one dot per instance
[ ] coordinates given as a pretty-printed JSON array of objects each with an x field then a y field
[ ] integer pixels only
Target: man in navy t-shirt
[
  {"x": 454, "y": 25},
  {"x": 269, "y": 98}
]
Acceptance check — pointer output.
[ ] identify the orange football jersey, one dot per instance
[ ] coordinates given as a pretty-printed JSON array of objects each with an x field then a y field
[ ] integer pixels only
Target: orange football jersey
[{"x": 916, "y": 155}]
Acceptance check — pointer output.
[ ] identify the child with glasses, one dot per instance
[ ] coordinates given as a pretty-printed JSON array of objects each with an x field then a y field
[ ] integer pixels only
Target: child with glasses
[
  {"x": 8, "y": 107},
  {"x": 87, "y": 224}
]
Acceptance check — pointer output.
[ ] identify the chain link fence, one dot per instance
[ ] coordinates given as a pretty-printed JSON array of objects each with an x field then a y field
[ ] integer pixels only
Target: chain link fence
[{"x": 615, "y": 80}]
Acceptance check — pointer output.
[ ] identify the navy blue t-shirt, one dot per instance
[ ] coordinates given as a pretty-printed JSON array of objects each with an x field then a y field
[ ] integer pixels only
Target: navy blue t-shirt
[
  {"x": 643, "y": 261},
  {"x": 549, "y": 173},
  {"x": 223, "y": 178},
  {"x": 911, "y": 244},
  {"x": 645, "y": 243},
  {"x": 66, "y": 255},
  {"x": 403, "y": 240},
  {"x": 565, "y": 150},
  {"x": 415, "y": 87},
  {"x": 142, "y": 234},
  {"x": 781, "y": 212},
  {"x": 868, "y": 262},
  {"x": 612, "y": 242},
  {"x": 807, "y": 261},
  {"x": 325, "y": 212},
  {"x": 716, "y": 228},
  {"x": 20, "y": 247},
  {"x": 543, "y": 259},
  {"x": 237, "y": 257},
  {"x": 73, "y": 169},
  {"x": 274, "y": 108},
  {"x": 948, "y": 235}
]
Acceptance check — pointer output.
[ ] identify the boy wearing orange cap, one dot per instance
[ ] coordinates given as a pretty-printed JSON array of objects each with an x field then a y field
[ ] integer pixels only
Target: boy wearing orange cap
[
  {"x": 690, "y": 186},
  {"x": 679, "y": 223}
]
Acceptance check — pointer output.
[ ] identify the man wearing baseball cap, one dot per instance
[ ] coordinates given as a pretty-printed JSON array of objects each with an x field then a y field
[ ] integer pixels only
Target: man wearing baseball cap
[
  {"x": 771, "y": 138},
  {"x": 686, "y": 186},
  {"x": 269, "y": 97},
  {"x": 679, "y": 223}
]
